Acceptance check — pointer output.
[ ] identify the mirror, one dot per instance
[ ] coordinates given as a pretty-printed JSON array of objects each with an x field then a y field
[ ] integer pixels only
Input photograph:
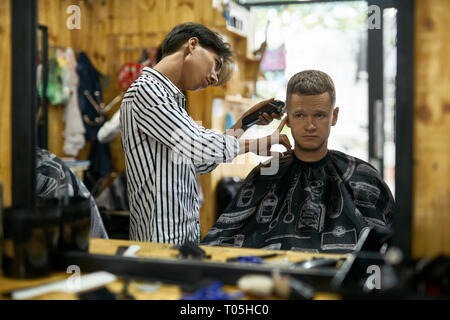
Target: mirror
[{"x": 402, "y": 99}]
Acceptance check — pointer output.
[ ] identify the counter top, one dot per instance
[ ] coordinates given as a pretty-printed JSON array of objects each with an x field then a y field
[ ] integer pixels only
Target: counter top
[{"x": 159, "y": 251}]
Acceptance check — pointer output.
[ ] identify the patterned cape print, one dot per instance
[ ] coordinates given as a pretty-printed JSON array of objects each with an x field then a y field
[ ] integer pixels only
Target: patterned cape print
[{"x": 321, "y": 206}]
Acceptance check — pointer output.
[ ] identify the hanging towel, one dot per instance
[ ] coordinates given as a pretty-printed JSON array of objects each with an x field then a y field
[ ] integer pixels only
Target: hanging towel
[
  {"x": 74, "y": 131},
  {"x": 55, "y": 88}
]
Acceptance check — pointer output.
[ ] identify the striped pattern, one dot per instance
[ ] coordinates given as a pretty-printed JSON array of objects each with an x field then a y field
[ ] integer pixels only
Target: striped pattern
[{"x": 164, "y": 151}]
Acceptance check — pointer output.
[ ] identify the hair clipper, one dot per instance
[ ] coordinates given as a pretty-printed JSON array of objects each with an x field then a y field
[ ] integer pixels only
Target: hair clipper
[{"x": 276, "y": 106}]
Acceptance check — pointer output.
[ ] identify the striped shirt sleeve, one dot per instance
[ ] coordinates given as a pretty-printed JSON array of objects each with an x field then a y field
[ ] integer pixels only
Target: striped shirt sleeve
[
  {"x": 201, "y": 168},
  {"x": 158, "y": 116}
]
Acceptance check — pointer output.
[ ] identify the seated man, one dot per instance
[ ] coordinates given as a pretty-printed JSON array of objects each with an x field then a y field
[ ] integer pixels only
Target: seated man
[
  {"x": 320, "y": 200},
  {"x": 54, "y": 178}
]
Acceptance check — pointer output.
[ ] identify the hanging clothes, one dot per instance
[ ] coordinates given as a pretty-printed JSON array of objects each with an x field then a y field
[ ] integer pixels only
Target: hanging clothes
[
  {"x": 321, "y": 206},
  {"x": 74, "y": 130},
  {"x": 57, "y": 91},
  {"x": 100, "y": 154},
  {"x": 129, "y": 72}
]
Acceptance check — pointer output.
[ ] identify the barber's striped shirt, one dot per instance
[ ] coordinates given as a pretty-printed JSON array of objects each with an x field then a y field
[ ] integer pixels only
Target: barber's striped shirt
[{"x": 164, "y": 150}]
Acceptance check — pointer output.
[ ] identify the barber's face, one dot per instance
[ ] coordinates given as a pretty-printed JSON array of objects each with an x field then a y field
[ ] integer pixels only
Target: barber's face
[
  {"x": 310, "y": 119},
  {"x": 201, "y": 66}
]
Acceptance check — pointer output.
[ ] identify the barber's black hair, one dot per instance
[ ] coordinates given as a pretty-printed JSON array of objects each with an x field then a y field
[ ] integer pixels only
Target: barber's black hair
[
  {"x": 159, "y": 54},
  {"x": 207, "y": 38}
]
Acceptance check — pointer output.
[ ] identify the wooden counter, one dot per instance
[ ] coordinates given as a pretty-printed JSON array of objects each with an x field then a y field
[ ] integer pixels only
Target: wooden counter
[{"x": 156, "y": 250}]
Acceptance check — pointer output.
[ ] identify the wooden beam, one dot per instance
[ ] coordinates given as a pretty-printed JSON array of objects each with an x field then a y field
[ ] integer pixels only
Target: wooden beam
[
  {"x": 5, "y": 101},
  {"x": 431, "y": 190}
]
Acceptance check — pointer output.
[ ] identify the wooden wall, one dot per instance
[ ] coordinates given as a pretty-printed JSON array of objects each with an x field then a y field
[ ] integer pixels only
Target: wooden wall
[
  {"x": 5, "y": 100},
  {"x": 112, "y": 33},
  {"x": 431, "y": 190}
]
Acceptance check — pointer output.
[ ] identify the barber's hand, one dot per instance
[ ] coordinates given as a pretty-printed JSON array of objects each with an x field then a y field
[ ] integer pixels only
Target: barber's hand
[
  {"x": 263, "y": 145},
  {"x": 264, "y": 118}
]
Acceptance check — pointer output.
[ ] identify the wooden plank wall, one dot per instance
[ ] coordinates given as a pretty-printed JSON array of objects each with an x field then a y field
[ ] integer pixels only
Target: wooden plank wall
[
  {"x": 108, "y": 30},
  {"x": 431, "y": 190},
  {"x": 5, "y": 100}
]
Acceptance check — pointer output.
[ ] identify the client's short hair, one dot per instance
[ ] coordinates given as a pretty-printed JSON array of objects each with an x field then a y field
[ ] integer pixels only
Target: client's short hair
[{"x": 311, "y": 82}]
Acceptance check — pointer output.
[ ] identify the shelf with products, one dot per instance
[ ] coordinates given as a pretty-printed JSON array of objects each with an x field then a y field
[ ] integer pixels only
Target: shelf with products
[
  {"x": 228, "y": 110},
  {"x": 242, "y": 45},
  {"x": 230, "y": 31}
]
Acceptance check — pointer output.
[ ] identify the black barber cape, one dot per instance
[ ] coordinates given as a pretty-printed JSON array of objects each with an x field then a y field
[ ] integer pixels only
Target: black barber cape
[
  {"x": 54, "y": 178},
  {"x": 318, "y": 206}
]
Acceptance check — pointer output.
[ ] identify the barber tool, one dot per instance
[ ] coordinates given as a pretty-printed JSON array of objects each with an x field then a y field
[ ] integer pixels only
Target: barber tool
[
  {"x": 193, "y": 270},
  {"x": 317, "y": 263},
  {"x": 275, "y": 106},
  {"x": 257, "y": 285},
  {"x": 283, "y": 286},
  {"x": 70, "y": 285},
  {"x": 191, "y": 250},
  {"x": 128, "y": 251},
  {"x": 252, "y": 259},
  {"x": 290, "y": 288}
]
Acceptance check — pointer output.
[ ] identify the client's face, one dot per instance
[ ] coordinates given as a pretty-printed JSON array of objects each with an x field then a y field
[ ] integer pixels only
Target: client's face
[{"x": 310, "y": 119}]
